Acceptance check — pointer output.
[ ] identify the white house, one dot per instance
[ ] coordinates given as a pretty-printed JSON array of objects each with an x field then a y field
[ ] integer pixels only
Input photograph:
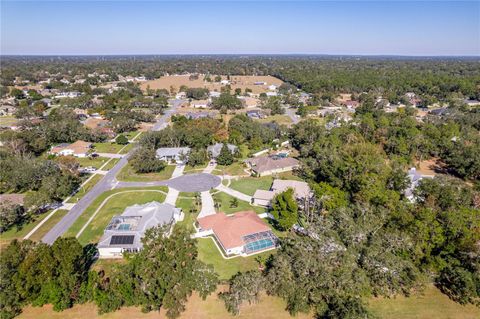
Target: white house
[
  {"x": 124, "y": 232},
  {"x": 77, "y": 149},
  {"x": 415, "y": 179},
  {"x": 173, "y": 154}
]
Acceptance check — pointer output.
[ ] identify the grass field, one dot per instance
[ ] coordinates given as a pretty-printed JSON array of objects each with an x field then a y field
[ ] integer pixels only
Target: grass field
[
  {"x": 279, "y": 118},
  {"x": 88, "y": 186},
  {"x": 235, "y": 169},
  {"x": 38, "y": 235},
  {"x": 224, "y": 200},
  {"x": 8, "y": 120},
  {"x": 194, "y": 169},
  {"x": 226, "y": 268},
  {"x": 107, "y": 147},
  {"x": 127, "y": 174},
  {"x": 96, "y": 162},
  {"x": 111, "y": 164},
  {"x": 14, "y": 233},
  {"x": 82, "y": 219},
  {"x": 249, "y": 185},
  {"x": 115, "y": 206},
  {"x": 432, "y": 304},
  {"x": 127, "y": 148}
]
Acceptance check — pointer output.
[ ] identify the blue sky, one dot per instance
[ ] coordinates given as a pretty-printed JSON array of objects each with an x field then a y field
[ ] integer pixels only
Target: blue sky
[{"x": 280, "y": 27}]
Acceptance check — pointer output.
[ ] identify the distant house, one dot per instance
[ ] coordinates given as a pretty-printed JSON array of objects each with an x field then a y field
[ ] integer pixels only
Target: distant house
[
  {"x": 256, "y": 114},
  {"x": 100, "y": 125},
  {"x": 439, "y": 112},
  {"x": 77, "y": 149},
  {"x": 415, "y": 179},
  {"x": 72, "y": 94},
  {"x": 351, "y": 104},
  {"x": 214, "y": 94},
  {"x": 173, "y": 154},
  {"x": 249, "y": 102},
  {"x": 259, "y": 83},
  {"x": 243, "y": 233},
  {"x": 199, "y": 115},
  {"x": 268, "y": 165},
  {"x": 124, "y": 232},
  {"x": 224, "y": 82},
  {"x": 264, "y": 198},
  {"x": 214, "y": 150},
  {"x": 200, "y": 104},
  {"x": 271, "y": 93},
  {"x": 472, "y": 102},
  {"x": 272, "y": 87}
]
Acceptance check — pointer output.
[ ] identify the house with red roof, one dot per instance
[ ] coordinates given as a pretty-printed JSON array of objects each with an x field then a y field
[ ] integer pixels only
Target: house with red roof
[{"x": 243, "y": 233}]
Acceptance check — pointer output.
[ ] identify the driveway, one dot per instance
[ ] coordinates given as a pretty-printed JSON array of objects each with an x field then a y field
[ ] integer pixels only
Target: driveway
[{"x": 208, "y": 205}]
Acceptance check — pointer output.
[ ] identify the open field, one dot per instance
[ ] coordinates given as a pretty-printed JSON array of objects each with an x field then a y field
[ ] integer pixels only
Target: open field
[
  {"x": 38, "y": 235},
  {"x": 127, "y": 174},
  {"x": 83, "y": 218},
  {"x": 8, "y": 120},
  {"x": 115, "y": 206},
  {"x": 249, "y": 185},
  {"x": 96, "y": 162},
  {"x": 224, "y": 200},
  {"x": 432, "y": 305},
  {"x": 225, "y": 268},
  {"x": 107, "y": 147},
  {"x": 237, "y": 81},
  {"x": 235, "y": 169},
  {"x": 279, "y": 118},
  {"x": 14, "y": 233},
  {"x": 82, "y": 191}
]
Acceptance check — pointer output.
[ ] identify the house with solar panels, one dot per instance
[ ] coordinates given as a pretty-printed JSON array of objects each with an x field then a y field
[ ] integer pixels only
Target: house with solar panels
[
  {"x": 243, "y": 233},
  {"x": 124, "y": 233}
]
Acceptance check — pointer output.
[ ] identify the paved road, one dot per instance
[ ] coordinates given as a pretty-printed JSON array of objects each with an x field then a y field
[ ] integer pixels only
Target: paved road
[
  {"x": 291, "y": 113},
  {"x": 108, "y": 182}
]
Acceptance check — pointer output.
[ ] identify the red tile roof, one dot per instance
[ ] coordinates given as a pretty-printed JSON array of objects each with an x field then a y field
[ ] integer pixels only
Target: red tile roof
[{"x": 231, "y": 229}]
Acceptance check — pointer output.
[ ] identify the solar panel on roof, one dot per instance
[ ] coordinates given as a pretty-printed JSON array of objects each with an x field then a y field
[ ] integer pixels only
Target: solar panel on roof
[{"x": 122, "y": 240}]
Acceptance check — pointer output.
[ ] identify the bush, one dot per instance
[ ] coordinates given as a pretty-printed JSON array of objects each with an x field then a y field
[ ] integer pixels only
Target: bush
[
  {"x": 121, "y": 139},
  {"x": 145, "y": 161}
]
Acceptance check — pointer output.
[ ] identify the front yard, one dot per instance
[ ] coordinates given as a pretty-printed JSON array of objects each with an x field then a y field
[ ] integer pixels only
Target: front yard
[
  {"x": 248, "y": 185},
  {"x": 96, "y": 162},
  {"x": 127, "y": 174},
  {"x": 85, "y": 188},
  {"x": 235, "y": 169},
  {"x": 107, "y": 147}
]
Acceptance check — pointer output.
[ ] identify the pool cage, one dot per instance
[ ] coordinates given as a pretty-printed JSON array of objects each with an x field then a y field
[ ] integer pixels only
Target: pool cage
[
  {"x": 259, "y": 241},
  {"x": 123, "y": 223}
]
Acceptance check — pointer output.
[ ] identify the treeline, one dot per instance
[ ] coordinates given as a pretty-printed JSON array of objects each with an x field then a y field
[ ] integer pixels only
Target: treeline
[
  {"x": 164, "y": 274},
  {"x": 429, "y": 77}
]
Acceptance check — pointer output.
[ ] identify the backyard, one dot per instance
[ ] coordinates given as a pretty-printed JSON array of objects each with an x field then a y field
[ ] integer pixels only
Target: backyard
[
  {"x": 235, "y": 169},
  {"x": 127, "y": 174},
  {"x": 225, "y": 204}
]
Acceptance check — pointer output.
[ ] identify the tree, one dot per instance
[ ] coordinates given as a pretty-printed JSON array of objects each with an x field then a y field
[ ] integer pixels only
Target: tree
[
  {"x": 225, "y": 157},
  {"x": 10, "y": 214},
  {"x": 144, "y": 160},
  {"x": 285, "y": 209},
  {"x": 234, "y": 202},
  {"x": 226, "y": 102},
  {"x": 243, "y": 287},
  {"x": 197, "y": 157},
  {"x": 121, "y": 139}
]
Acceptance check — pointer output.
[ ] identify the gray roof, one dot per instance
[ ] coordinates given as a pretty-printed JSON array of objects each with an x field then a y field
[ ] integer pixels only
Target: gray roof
[
  {"x": 172, "y": 151},
  {"x": 135, "y": 220},
  {"x": 215, "y": 149}
]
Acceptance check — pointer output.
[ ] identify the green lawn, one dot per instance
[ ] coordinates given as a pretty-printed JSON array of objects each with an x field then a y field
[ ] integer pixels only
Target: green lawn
[
  {"x": 225, "y": 199},
  {"x": 249, "y": 185},
  {"x": 82, "y": 219},
  {"x": 236, "y": 168},
  {"x": 111, "y": 164},
  {"x": 127, "y": 148},
  {"x": 14, "y": 233},
  {"x": 96, "y": 162},
  {"x": 8, "y": 120},
  {"x": 38, "y": 235},
  {"x": 88, "y": 186},
  {"x": 279, "y": 118},
  {"x": 115, "y": 206},
  {"x": 226, "y": 268},
  {"x": 131, "y": 135},
  {"x": 107, "y": 147},
  {"x": 431, "y": 304},
  {"x": 194, "y": 169},
  {"x": 127, "y": 174}
]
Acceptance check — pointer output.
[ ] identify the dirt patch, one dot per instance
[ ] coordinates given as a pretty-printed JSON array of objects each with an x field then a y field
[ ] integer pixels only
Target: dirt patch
[
  {"x": 431, "y": 166},
  {"x": 237, "y": 81}
]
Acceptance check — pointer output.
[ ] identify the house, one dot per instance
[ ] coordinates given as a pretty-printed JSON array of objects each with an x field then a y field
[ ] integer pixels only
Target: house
[
  {"x": 351, "y": 104},
  {"x": 249, "y": 102},
  {"x": 243, "y": 233},
  {"x": 272, "y": 87},
  {"x": 77, "y": 149},
  {"x": 173, "y": 154},
  {"x": 214, "y": 150},
  {"x": 72, "y": 94},
  {"x": 256, "y": 114},
  {"x": 180, "y": 95},
  {"x": 415, "y": 179},
  {"x": 224, "y": 82},
  {"x": 100, "y": 125},
  {"x": 271, "y": 93},
  {"x": 214, "y": 94},
  {"x": 125, "y": 231},
  {"x": 259, "y": 83},
  {"x": 200, "y": 104},
  {"x": 263, "y": 198},
  {"x": 199, "y": 115},
  {"x": 268, "y": 165},
  {"x": 471, "y": 102}
]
